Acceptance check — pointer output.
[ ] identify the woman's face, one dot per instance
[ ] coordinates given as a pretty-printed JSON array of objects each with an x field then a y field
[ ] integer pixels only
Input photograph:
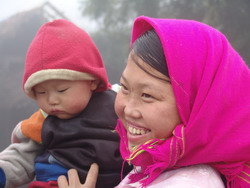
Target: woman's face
[{"x": 145, "y": 104}]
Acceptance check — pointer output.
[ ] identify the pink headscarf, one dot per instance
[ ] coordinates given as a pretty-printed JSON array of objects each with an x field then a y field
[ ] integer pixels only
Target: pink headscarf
[{"x": 211, "y": 84}]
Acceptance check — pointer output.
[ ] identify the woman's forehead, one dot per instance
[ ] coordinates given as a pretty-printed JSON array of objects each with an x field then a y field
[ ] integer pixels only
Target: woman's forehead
[{"x": 133, "y": 58}]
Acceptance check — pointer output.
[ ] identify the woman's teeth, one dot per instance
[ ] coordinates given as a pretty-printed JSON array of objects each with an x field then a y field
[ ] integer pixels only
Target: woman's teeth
[{"x": 137, "y": 131}]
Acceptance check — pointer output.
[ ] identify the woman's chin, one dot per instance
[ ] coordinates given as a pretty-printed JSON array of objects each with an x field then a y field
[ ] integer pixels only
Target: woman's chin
[
  {"x": 131, "y": 146},
  {"x": 136, "y": 140}
]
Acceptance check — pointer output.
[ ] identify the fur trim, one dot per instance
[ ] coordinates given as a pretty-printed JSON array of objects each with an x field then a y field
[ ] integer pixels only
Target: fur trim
[{"x": 54, "y": 74}]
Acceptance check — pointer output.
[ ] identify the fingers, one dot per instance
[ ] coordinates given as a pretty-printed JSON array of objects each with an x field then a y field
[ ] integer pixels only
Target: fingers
[
  {"x": 92, "y": 176},
  {"x": 72, "y": 182},
  {"x": 62, "y": 182},
  {"x": 73, "y": 177}
]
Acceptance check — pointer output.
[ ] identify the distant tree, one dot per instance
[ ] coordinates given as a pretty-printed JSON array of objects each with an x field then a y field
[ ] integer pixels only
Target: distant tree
[{"x": 115, "y": 17}]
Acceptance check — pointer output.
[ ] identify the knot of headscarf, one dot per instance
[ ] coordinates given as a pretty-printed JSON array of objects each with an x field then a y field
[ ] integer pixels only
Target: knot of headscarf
[{"x": 153, "y": 156}]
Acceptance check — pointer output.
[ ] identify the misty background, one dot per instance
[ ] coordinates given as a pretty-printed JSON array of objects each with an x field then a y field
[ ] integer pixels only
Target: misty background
[{"x": 110, "y": 22}]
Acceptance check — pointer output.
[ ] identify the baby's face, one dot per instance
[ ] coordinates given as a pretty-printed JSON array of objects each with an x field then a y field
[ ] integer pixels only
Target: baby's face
[{"x": 63, "y": 98}]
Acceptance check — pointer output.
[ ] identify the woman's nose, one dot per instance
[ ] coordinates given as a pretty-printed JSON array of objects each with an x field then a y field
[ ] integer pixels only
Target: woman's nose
[{"x": 131, "y": 109}]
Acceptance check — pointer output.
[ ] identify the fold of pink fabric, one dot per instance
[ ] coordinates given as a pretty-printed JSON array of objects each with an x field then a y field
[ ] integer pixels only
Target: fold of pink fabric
[{"x": 211, "y": 84}]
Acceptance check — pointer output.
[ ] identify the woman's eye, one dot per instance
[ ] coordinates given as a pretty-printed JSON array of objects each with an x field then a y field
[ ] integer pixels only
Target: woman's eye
[
  {"x": 123, "y": 88},
  {"x": 147, "y": 95},
  {"x": 62, "y": 90},
  {"x": 148, "y": 98}
]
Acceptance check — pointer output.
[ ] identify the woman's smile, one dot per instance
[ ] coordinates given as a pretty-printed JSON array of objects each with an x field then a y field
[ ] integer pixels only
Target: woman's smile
[
  {"x": 137, "y": 131},
  {"x": 137, "y": 134}
]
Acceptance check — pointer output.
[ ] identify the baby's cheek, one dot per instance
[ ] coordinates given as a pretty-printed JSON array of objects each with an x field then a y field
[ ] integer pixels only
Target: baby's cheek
[{"x": 73, "y": 106}]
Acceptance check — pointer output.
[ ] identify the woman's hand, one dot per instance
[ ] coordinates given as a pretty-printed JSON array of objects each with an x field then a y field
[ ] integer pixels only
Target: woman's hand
[{"x": 74, "y": 181}]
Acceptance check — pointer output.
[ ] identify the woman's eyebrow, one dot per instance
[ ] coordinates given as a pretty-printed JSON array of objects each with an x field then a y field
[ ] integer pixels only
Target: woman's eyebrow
[{"x": 141, "y": 85}]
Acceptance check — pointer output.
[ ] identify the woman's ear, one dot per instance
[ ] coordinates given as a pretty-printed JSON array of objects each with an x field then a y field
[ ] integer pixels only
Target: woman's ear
[{"x": 94, "y": 84}]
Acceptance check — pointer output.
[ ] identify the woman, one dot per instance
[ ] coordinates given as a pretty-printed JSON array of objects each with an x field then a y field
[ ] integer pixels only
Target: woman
[{"x": 190, "y": 117}]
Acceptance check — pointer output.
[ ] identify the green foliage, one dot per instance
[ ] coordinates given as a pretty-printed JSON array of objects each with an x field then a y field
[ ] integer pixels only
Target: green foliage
[
  {"x": 117, "y": 14},
  {"x": 115, "y": 18}
]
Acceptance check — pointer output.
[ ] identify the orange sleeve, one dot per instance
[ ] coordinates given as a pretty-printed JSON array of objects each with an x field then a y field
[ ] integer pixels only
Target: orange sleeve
[{"x": 32, "y": 127}]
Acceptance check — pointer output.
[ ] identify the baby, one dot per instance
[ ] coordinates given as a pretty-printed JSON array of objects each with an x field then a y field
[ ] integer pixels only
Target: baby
[{"x": 64, "y": 73}]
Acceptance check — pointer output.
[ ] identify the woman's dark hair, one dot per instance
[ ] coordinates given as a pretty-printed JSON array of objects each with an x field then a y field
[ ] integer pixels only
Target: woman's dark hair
[{"x": 148, "y": 47}]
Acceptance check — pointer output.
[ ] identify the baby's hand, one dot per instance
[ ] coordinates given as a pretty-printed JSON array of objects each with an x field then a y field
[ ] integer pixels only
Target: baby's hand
[{"x": 74, "y": 181}]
